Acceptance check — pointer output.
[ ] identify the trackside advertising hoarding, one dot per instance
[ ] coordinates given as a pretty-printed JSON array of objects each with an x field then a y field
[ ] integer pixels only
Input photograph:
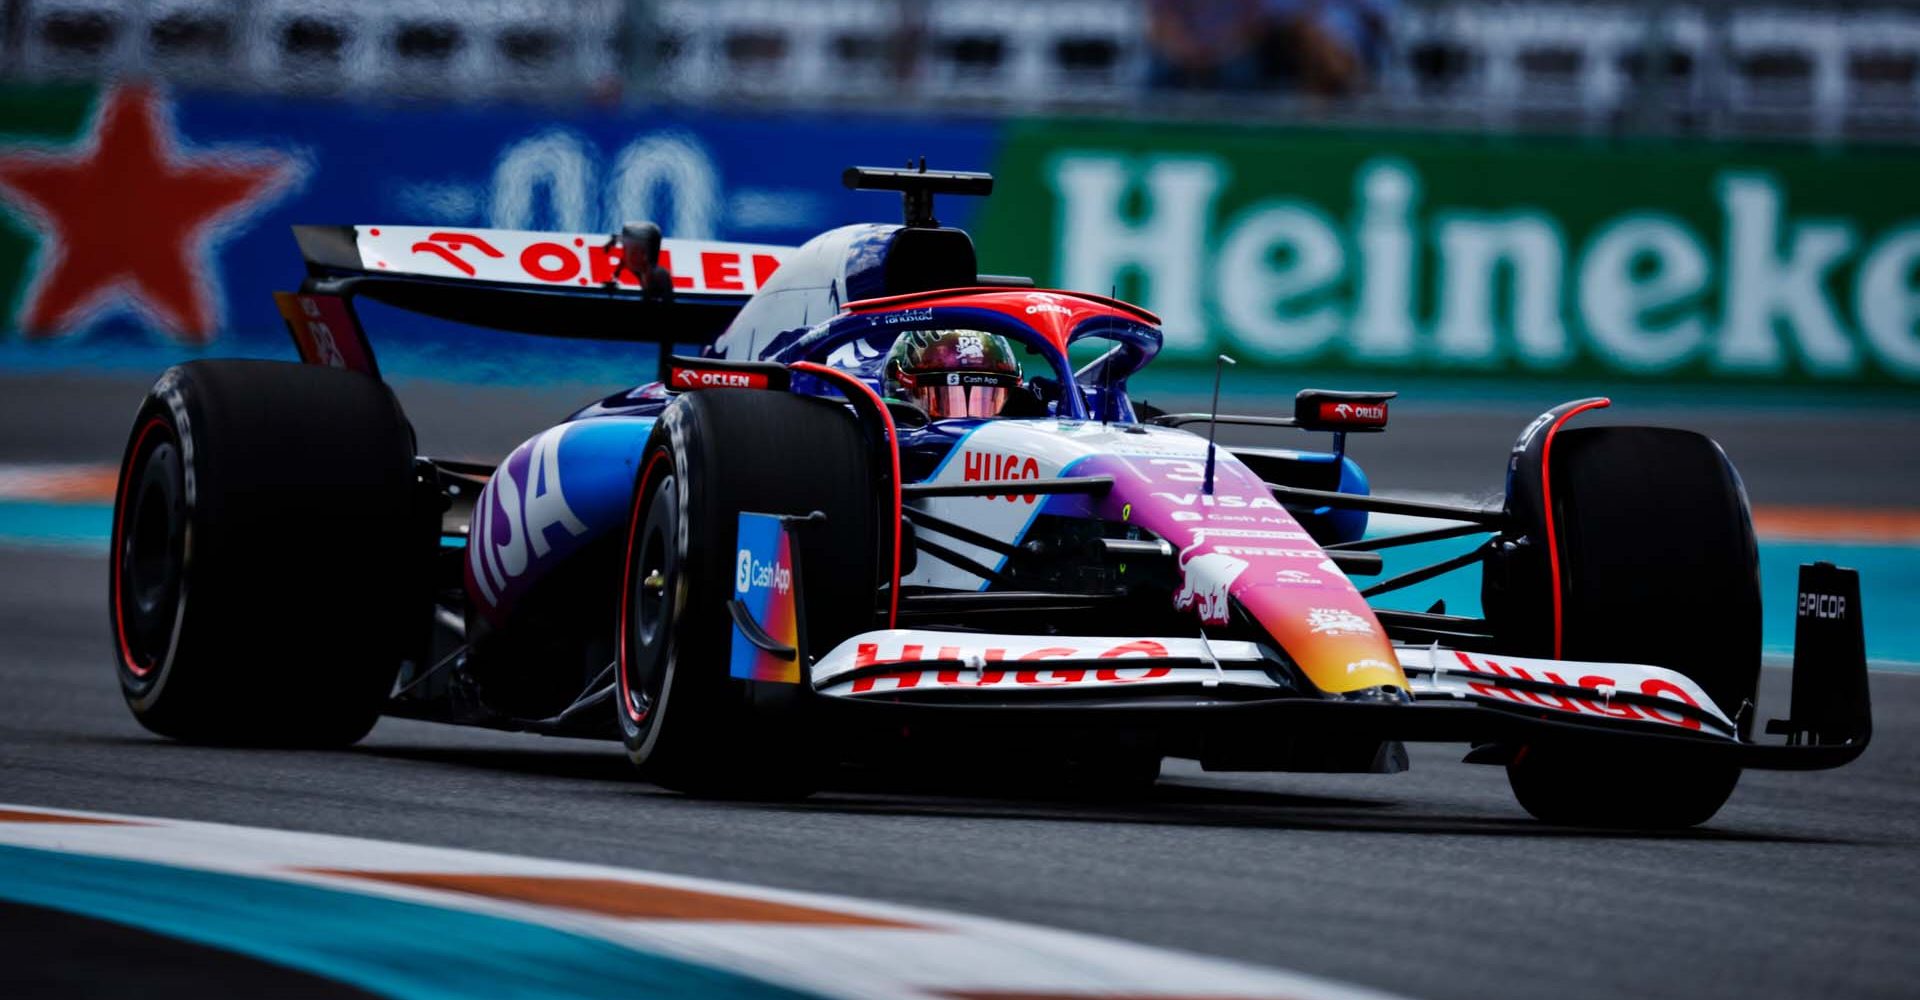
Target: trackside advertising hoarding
[
  {"x": 141, "y": 225},
  {"x": 1651, "y": 260}
]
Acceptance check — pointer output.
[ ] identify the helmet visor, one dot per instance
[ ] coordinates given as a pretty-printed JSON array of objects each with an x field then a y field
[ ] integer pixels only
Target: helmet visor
[
  {"x": 946, "y": 395},
  {"x": 945, "y": 401}
]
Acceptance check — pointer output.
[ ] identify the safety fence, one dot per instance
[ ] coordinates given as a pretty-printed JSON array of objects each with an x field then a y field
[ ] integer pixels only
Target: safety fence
[{"x": 1709, "y": 67}]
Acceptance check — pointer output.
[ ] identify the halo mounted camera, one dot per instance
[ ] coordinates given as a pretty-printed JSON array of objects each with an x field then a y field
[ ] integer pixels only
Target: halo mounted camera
[{"x": 917, "y": 187}]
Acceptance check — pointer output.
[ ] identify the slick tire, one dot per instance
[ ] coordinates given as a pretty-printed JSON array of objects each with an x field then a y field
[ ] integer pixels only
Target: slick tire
[
  {"x": 1659, "y": 566},
  {"x": 261, "y": 554},
  {"x": 716, "y": 453}
]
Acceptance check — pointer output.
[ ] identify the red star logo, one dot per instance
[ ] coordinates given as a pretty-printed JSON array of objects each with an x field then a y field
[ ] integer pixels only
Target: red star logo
[{"x": 127, "y": 218}]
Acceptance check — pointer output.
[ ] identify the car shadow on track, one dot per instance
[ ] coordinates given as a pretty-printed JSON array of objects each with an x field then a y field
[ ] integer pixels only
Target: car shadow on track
[
  {"x": 969, "y": 795},
  {"x": 963, "y": 794},
  {"x": 1191, "y": 800},
  {"x": 584, "y": 765},
  {"x": 1187, "y": 806}
]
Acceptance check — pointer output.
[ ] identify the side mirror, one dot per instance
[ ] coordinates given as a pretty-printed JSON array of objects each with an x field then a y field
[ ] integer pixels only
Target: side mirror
[{"x": 1341, "y": 412}]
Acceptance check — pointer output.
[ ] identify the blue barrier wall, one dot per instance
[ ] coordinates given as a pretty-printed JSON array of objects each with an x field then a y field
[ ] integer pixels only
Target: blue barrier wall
[{"x": 206, "y": 187}]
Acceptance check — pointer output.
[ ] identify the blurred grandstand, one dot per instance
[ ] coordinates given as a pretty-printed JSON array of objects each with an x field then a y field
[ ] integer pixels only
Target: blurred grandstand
[{"x": 1715, "y": 68}]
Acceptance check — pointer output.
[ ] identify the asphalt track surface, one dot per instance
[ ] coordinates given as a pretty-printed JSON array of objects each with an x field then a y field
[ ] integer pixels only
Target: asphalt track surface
[{"x": 1430, "y": 883}]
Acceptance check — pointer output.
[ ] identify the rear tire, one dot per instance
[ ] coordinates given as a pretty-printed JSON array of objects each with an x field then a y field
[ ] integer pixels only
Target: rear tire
[
  {"x": 686, "y": 722},
  {"x": 1658, "y": 566},
  {"x": 261, "y": 555}
]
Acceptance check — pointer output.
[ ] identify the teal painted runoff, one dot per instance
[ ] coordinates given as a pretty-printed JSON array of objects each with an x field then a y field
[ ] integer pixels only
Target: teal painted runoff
[{"x": 399, "y": 949}]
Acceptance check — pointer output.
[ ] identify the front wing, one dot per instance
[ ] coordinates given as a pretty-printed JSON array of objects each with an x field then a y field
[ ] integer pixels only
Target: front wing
[
  {"x": 1190, "y": 687},
  {"x": 1196, "y": 689}
]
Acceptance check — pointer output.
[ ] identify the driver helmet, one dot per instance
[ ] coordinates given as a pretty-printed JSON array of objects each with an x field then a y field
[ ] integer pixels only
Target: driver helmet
[{"x": 952, "y": 373}]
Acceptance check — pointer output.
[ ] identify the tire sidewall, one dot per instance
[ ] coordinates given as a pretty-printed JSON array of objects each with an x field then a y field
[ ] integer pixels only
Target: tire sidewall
[
  {"x": 722, "y": 452},
  {"x": 296, "y": 487},
  {"x": 165, "y": 413},
  {"x": 658, "y": 484}
]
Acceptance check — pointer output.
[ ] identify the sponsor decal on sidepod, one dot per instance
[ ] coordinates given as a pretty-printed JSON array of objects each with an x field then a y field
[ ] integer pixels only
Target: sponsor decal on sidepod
[
  {"x": 512, "y": 516},
  {"x": 984, "y": 467}
]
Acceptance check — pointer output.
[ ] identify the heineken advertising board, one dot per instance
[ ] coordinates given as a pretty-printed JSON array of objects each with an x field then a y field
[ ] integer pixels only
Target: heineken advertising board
[{"x": 1453, "y": 254}]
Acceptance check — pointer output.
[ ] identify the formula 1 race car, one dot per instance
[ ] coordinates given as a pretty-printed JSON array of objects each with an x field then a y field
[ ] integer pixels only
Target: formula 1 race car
[{"x": 896, "y": 506}]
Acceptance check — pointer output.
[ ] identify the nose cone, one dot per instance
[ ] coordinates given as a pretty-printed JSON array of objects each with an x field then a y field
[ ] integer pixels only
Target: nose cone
[
  {"x": 1333, "y": 637},
  {"x": 1238, "y": 545}
]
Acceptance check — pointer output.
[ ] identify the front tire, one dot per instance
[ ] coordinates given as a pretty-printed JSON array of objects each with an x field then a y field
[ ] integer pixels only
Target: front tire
[
  {"x": 1658, "y": 566},
  {"x": 716, "y": 453},
  {"x": 261, "y": 554},
  {"x": 1572, "y": 786}
]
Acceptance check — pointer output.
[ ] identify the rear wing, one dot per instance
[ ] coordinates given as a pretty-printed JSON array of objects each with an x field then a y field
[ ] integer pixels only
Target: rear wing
[{"x": 574, "y": 285}]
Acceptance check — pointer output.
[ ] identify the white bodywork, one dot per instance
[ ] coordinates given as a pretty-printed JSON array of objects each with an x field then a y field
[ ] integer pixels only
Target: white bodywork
[{"x": 1031, "y": 449}]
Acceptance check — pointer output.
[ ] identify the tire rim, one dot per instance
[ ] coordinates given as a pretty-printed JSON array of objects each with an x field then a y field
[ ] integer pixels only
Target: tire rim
[
  {"x": 151, "y": 555},
  {"x": 655, "y": 574}
]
